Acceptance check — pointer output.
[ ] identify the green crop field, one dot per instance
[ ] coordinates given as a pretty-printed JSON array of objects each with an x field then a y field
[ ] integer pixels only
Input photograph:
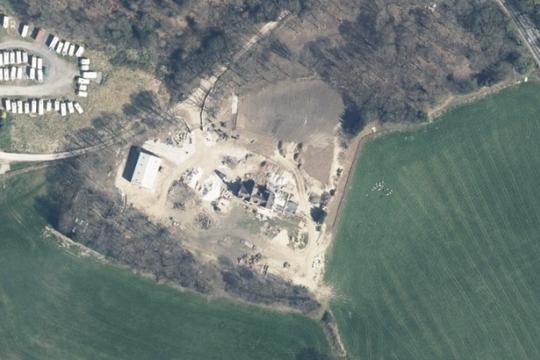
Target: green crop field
[
  {"x": 58, "y": 306},
  {"x": 438, "y": 251}
]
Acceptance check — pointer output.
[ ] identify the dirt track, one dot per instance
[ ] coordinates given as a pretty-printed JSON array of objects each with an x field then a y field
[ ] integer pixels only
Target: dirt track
[
  {"x": 16, "y": 157},
  {"x": 59, "y": 80}
]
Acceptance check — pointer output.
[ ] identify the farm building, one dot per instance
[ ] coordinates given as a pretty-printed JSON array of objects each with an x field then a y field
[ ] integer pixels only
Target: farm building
[{"x": 142, "y": 168}]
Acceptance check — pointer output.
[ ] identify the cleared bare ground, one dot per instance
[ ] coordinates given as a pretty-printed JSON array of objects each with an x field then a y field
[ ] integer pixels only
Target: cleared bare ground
[{"x": 291, "y": 110}]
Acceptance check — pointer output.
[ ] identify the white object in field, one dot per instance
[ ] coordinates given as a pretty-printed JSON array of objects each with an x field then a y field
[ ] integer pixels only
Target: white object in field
[
  {"x": 7, "y": 104},
  {"x": 85, "y": 61},
  {"x": 78, "y": 107},
  {"x": 85, "y": 67},
  {"x": 20, "y": 109},
  {"x": 80, "y": 51},
  {"x": 59, "y": 47},
  {"x": 5, "y": 21},
  {"x": 24, "y": 30},
  {"x": 40, "y": 75},
  {"x": 146, "y": 170},
  {"x": 6, "y": 57},
  {"x": 34, "y": 106},
  {"x": 71, "y": 50},
  {"x": 89, "y": 74},
  {"x": 33, "y": 63},
  {"x": 40, "y": 107},
  {"x": 11, "y": 57},
  {"x": 25, "y": 57},
  {"x": 32, "y": 73},
  {"x": 82, "y": 93},
  {"x": 39, "y": 63},
  {"x": 63, "y": 108},
  {"x": 56, "y": 105},
  {"x": 18, "y": 57},
  {"x": 65, "y": 49},
  {"x": 83, "y": 87},
  {"x": 48, "y": 105},
  {"x": 13, "y": 74},
  {"x": 26, "y": 107},
  {"x": 83, "y": 81},
  {"x": 19, "y": 73}
]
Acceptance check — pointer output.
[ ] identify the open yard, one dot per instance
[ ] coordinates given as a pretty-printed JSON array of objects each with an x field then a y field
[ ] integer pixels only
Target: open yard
[
  {"x": 54, "y": 305},
  {"x": 438, "y": 251}
]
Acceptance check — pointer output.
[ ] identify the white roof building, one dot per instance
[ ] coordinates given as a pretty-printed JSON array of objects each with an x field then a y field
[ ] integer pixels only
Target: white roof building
[{"x": 146, "y": 170}]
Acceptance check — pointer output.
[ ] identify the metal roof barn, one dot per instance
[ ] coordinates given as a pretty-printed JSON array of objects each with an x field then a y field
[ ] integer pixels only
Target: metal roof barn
[{"x": 146, "y": 170}]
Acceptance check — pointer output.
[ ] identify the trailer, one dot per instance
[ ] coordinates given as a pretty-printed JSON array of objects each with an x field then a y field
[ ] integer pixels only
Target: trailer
[
  {"x": 85, "y": 67},
  {"x": 31, "y": 73},
  {"x": 13, "y": 73},
  {"x": 25, "y": 57},
  {"x": 71, "y": 51},
  {"x": 40, "y": 75},
  {"x": 79, "y": 108},
  {"x": 11, "y": 57},
  {"x": 89, "y": 75},
  {"x": 20, "y": 107},
  {"x": 63, "y": 109},
  {"x": 19, "y": 73},
  {"x": 59, "y": 47},
  {"x": 48, "y": 105},
  {"x": 70, "y": 107},
  {"x": 6, "y": 74},
  {"x": 56, "y": 105},
  {"x": 84, "y": 61},
  {"x": 82, "y": 93},
  {"x": 33, "y": 108},
  {"x": 26, "y": 107},
  {"x": 54, "y": 42},
  {"x": 41, "y": 109},
  {"x": 1, "y": 75},
  {"x": 18, "y": 57},
  {"x": 65, "y": 49},
  {"x": 24, "y": 30},
  {"x": 83, "y": 87},
  {"x": 40, "y": 63},
  {"x": 5, "y": 56},
  {"x": 83, "y": 81},
  {"x": 5, "y": 21},
  {"x": 80, "y": 51},
  {"x": 7, "y": 105},
  {"x": 33, "y": 63}
]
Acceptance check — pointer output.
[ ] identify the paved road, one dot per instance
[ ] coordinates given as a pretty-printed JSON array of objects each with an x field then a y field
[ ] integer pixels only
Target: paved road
[{"x": 59, "y": 82}]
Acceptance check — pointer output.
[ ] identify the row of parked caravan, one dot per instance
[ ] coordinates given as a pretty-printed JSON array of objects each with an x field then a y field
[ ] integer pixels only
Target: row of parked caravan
[
  {"x": 64, "y": 47},
  {"x": 41, "y": 106},
  {"x": 20, "y": 73},
  {"x": 19, "y": 57}
]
